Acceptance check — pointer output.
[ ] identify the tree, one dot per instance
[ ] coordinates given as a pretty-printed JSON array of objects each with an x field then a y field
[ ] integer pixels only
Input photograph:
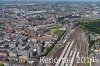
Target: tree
[{"x": 1, "y": 64}]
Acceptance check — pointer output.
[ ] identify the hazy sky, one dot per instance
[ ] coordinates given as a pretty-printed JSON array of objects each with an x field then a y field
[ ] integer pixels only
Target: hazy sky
[
  {"x": 4, "y": 1},
  {"x": 49, "y": 0}
]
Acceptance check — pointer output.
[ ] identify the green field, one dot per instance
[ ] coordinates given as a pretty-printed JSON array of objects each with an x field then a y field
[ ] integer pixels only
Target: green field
[{"x": 58, "y": 32}]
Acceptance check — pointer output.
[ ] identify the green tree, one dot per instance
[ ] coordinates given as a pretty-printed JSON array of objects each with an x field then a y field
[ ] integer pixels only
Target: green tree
[{"x": 1, "y": 64}]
